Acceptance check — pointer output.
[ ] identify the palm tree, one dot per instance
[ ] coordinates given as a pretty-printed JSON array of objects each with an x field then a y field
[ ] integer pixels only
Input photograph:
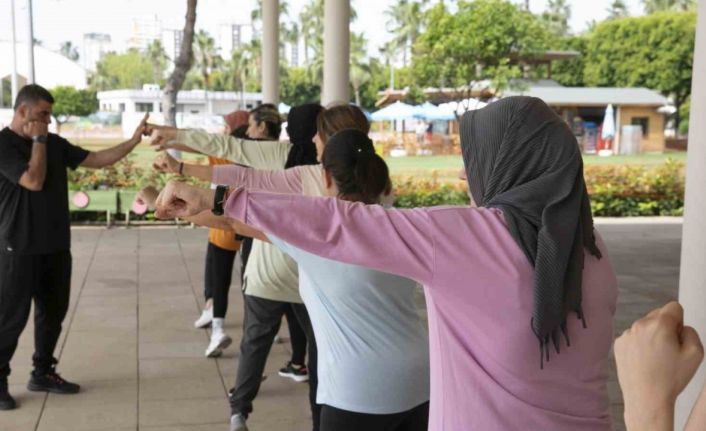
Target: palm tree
[
  {"x": 405, "y": 21},
  {"x": 158, "y": 57},
  {"x": 182, "y": 64},
  {"x": 359, "y": 72},
  {"x": 207, "y": 57},
  {"x": 312, "y": 19},
  {"x": 256, "y": 14}
]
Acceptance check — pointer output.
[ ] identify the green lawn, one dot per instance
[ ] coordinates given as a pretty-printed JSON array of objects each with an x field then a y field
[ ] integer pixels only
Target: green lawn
[{"x": 446, "y": 166}]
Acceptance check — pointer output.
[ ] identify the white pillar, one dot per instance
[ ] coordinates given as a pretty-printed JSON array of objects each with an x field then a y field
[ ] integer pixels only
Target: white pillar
[
  {"x": 692, "y": 280},
  {"x": 30, "y": 44},
  {"x": 13, "y": 78},
  {"x": 270, "y": 51},
  {"x": 336, "y": 51}
]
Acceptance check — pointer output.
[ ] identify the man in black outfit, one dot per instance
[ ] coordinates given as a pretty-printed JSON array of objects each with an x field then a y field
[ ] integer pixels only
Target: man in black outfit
[{"x": 35, "y": 237}]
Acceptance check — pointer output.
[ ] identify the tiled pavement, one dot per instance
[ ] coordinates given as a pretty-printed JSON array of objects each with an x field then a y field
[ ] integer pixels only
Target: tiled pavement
[{"x": 129, "y": 339}]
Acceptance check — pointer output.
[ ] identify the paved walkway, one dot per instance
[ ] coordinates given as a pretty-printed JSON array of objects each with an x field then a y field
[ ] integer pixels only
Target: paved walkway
[{"x": 130, "y": 343}]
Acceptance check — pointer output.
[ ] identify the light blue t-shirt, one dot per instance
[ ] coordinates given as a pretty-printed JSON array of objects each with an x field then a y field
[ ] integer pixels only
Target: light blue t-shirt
[{"x": 373, "y": 347}]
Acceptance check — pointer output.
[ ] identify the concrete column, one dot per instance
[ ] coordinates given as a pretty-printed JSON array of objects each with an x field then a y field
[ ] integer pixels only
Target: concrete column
[
  {"x": 692, "y": 280},
  {"x": 270, "y": 51},
  {"x": 30, "y": 44},
  {"x": 13, "y": 78},
  {"x": 336, "y": 51}
]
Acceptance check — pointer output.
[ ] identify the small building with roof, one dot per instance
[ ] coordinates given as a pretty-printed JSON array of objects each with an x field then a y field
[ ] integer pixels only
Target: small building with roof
[{"x": 584, "y": 109}]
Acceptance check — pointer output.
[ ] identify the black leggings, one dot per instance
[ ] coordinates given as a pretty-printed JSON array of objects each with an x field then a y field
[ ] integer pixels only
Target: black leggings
[
  {"x": 219, "y": 273},
  {"x": 416, "y": 419}
]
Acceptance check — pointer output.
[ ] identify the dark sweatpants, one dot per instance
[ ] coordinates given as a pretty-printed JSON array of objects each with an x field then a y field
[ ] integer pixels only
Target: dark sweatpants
[
  {"x": 46, "y": 279},
  {"x": 262, "y": 321}
]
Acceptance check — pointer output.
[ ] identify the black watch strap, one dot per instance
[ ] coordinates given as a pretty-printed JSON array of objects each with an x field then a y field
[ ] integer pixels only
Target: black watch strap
[
  {"x": 42, "y": 139},
  {"x": 219, "y": 200}
]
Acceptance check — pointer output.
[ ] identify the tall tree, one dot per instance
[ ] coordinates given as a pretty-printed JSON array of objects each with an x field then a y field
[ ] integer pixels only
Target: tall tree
[
  {"x": 652, "y": 6},
  {"x": 359, "y": 72},
  {"x": 69, "y": 51},
  {"x": 405, "y": 22},
  {"x": 182, "y": 64},
  {"x": 654, "y": 51},
  {"x": 481, "y": 41},
  {"x": 557, "y": 16},
  {"x": 158, "y": 57},
  {"x": 312, "y": 18},
  {"x": 205, "y": 55},
  {"x": 617, "y": 9}
]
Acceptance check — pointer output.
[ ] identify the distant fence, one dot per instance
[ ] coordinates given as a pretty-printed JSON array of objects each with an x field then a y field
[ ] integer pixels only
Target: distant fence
[{"x": 679, "y": 144}]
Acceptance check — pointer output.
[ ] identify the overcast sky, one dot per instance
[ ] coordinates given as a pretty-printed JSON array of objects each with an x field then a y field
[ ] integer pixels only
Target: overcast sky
[{"x": 56, "y": 21}]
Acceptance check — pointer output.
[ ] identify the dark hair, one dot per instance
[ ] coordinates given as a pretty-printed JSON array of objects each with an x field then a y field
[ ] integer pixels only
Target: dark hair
[
  {"x": 268, "y": 114},
  {"x": 360, "y": 174},
  {"x": 340, "y": 117},
  {"x": 32, "y": 94},
  {"x": 301, "y": 128},
  {"x": 240, "y": 132}
]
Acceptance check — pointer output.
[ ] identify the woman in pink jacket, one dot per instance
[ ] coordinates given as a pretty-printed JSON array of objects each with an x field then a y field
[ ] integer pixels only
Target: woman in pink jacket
[{"x": 520, "y": 290}]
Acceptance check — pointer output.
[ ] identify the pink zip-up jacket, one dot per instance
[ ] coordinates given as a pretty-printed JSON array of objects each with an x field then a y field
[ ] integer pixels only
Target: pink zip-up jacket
[{"x": 485, "y": 368}]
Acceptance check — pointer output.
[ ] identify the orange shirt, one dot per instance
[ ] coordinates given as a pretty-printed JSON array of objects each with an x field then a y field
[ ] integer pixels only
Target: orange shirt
[{"x": 224, "y": 239}]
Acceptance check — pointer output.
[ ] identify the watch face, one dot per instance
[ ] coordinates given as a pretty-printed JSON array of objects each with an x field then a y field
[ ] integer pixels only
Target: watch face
[{"x": 41, "y": 139}]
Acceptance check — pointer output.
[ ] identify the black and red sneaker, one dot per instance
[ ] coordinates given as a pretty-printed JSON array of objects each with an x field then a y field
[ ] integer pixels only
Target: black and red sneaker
[
  {"x": 52, "y": 382},
  {"x": 298, "y": 373}
]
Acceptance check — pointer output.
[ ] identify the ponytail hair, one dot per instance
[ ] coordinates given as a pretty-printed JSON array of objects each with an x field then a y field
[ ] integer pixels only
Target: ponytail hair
[{"x": 360, "y": 174}]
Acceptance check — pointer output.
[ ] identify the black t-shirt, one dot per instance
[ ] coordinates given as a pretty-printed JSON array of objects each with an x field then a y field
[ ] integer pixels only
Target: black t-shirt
[{"x": 35, "y": 222}]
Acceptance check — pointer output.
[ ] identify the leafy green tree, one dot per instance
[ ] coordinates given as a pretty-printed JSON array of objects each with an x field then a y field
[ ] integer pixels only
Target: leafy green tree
[
  {"x": 654, "y": 51},
  {"x": 652, "y": 6},
  {"x": 117, "y": 71},
  {"x": 68, "y": 101},
  {"x": 298, "y": 87},
  {"x": 482, "y": 40},
  {"x": 570, "y": 73}
]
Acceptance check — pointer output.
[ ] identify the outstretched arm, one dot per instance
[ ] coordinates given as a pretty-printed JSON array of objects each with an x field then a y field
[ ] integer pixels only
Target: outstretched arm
[
  {"x": 287, "y": 181},
  {"x": 258, "y": 154},
  {"x": 394, "y": 241},
  {"x": 107, "y": 157}
]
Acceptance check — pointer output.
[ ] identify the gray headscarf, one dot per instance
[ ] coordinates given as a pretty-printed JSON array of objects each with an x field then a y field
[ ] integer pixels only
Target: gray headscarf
[{"x": 521, "y": 158}]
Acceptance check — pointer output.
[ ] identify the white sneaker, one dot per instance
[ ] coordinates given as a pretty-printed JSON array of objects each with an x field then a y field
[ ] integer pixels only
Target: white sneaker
[
  {"x": 219, "y": 341},
  {"x": 237, "y": 423},
  {"x": 205, "y": 319}
]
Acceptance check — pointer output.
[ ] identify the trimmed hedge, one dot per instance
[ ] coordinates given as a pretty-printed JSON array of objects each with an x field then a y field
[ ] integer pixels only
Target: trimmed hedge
[{"x": 615, "y": 190}]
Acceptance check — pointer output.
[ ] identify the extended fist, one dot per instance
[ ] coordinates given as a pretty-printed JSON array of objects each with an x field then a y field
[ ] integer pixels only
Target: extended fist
[
  {"x": 166, "y": 164},
  {"x": 182, "y": 200}
]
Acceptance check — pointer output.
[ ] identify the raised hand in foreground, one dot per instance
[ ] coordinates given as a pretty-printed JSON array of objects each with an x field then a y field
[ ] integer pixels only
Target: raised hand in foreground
[{"x": 656, "y": 359}]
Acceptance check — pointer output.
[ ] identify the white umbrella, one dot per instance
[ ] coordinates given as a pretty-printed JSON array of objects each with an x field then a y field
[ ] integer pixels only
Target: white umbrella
[{"x": 608, "y": 130}]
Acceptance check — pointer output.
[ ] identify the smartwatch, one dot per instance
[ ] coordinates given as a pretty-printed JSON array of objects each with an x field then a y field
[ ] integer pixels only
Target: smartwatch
[
  {"x": 42, "y": 139},
  {"x": 219, "y": 199}
]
